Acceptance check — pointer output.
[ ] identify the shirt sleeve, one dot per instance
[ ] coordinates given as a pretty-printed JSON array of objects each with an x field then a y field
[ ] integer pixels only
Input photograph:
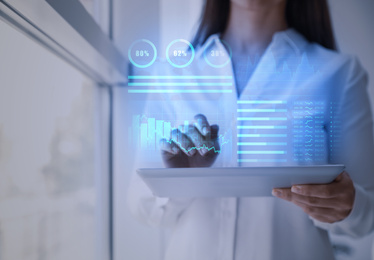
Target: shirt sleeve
[
  {"x": 356, "y": 153},
  {"x": 152, "y": 210}
]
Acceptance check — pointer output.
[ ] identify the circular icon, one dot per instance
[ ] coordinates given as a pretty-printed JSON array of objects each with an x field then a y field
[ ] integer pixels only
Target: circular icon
[
  {"x": 178, "y": 55},
  {"x": 218, "y": 58},
  {"x": 142, "y": 53}
]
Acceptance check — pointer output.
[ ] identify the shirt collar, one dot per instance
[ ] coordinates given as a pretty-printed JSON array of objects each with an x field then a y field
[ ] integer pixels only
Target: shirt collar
[{"x": 290, "y": 36}]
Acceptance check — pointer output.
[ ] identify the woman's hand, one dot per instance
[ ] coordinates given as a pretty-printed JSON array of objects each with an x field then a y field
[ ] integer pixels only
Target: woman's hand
[
  {"x": 198, "y": 147},
  {"x": 327, "y": 203}
]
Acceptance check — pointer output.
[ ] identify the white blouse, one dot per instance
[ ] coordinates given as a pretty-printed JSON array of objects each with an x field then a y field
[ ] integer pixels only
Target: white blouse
[{"x": 303, "y": 104}]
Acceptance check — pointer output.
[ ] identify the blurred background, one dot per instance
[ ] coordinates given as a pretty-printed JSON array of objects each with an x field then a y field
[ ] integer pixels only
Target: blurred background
[{"x": 65, "y": 165}]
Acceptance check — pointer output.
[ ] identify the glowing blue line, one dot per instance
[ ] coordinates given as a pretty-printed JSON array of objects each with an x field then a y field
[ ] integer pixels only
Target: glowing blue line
[
  {"x": 261, "y": 118},
  {"x": 261, "y": 110},
  {"x": 261, "y": 127},
  {"x": 179, "y": 84},
  {"x": 261, "y": 160},
  {"x": 138, "y": 91},
  {"x": 179, "y": 77},
  {"x": 262, "y": 152},
  {"x": 261, "y": 143},
  {"x": 196, "y": 148},
  {"x": 262, "y": 102},
  {"x": 262, "y": 135}
]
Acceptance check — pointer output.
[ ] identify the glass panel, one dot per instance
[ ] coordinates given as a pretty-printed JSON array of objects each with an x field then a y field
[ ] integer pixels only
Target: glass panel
[
  {"x": 48, "y": 159},
  {"x": 99, "y": 10}
]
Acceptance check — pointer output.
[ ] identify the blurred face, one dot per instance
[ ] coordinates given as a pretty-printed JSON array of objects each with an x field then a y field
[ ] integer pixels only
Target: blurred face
[{"x": 256, "y": 4}]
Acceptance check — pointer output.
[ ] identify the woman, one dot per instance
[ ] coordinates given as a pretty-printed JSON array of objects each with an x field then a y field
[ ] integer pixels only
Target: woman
[{"x": 288, "y": 51}]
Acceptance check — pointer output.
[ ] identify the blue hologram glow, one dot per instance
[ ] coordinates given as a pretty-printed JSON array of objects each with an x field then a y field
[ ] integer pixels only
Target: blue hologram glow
[
  {"x": 192, "y": 53},
  {"x": 179, "y": 77},
  {"x": 262, "y": 152},
  {"x": 179, "y": 84},
  {"x": 262, "y": 127},
  {"x": 262, "y": 160},
  {"x": 264, "y": 110},
  {"x": 260, "y": 143},
  {"x": 262, "y": 118},
  {"x": 146, "y": 132},
  {"x": 261, "y": 135},
  {"x": 158, "y": 91},
  {"x": 261, "y": 102},
  {"x": 224, "y": 53},
  {"x": 154, "y": 54}
]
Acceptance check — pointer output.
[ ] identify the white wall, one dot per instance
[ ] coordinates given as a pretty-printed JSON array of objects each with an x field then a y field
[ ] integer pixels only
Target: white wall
[{"x": 353, "y": 24}]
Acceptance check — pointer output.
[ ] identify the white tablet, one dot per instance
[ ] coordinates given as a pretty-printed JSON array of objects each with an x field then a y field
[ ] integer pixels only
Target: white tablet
[{"x": 233, "y": 182}]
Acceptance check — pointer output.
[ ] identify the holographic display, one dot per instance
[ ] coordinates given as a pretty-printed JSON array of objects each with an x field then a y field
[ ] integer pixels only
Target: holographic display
[{"x": 301, "y": 127}]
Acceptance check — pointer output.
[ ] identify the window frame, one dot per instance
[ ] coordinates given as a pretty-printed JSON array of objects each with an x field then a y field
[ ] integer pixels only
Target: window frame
[{"x": 67, "y": 29}]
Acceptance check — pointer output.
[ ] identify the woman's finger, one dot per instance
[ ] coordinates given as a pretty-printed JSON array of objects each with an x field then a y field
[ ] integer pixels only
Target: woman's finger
[
  {"x": 328, "y": 214},
  {"x": 214, "y": 132},
  {"x": 183, "y": 142},
  {"x": 316, "y": 201},
  {"x": 203, "y": 144},
  {"x": 172, "y": 154},
  {"x": 202, "y": 124},
  {"x": 330, "y": 190},
  {"x": 334, "y": 189},
  {"x": 167, "y": 146},
  {"x": 330, "y": 210},
  {"x": 316, "y": 214},
  {"x": 198, "y": 139},
  {"x": 287, "y": 194}
]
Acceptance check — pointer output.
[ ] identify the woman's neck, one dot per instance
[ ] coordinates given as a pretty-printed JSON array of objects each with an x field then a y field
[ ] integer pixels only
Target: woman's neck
[{"x": 250, "y": 28}]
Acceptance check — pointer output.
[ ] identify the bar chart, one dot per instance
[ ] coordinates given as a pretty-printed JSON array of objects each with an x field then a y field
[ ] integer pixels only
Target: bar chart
[
  {"x": 146, "y": 133},
  {"x": 262, "y": 131}
]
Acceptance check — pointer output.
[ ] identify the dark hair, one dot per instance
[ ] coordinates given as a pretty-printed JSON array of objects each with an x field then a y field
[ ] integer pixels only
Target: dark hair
[{"x": 311, "y": 18}]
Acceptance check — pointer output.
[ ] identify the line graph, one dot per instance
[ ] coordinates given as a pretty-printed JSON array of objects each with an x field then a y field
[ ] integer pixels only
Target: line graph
[
  {"x": 200, "y": 147},
  {"x": 146, "y": 132}
]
